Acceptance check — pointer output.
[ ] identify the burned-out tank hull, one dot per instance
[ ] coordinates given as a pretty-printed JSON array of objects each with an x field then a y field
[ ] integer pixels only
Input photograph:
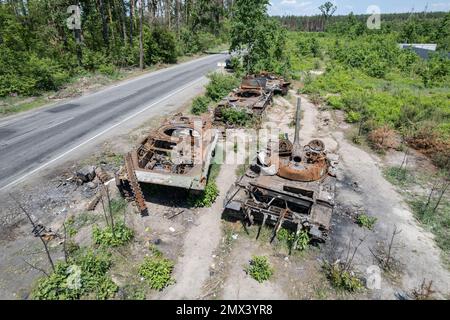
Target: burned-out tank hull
[
  {"x": 289, "y": 186},
  {"x": 254, "y": 96},
  {"x": 177, "y": 154}
]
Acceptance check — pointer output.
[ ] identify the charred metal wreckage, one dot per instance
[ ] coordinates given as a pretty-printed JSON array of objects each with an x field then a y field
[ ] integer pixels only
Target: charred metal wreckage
[
  {"x": 178, "y": 154},
  {"x": 290, "y": 186},
  {"x": 287, "y": 185},
  {"x": 253, "y": 97}
]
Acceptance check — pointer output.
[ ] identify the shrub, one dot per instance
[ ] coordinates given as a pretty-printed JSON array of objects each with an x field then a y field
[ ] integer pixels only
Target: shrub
[
  {"x": 236, "y": 117},
  {"x": 366, "y": 221},
  {"x": 301, "y": 242},
  {"x": 341, "y": 278},
  {"x": 112, "y": 237},
  {"x": 259, "y": 269},
  {"x": 82, "y": 276},
  {"x": 220, "y": 86},
  {"x": 157, "y": 272},
  {"x": 200, "y": 105},
  {"x": 383, "y": 138}
]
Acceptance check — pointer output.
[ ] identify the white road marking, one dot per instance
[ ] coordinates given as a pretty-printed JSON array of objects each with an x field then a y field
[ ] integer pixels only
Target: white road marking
[{"x": 101, "y": 133}]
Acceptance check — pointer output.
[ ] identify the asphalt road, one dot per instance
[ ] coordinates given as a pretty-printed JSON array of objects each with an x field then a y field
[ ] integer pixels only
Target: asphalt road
[{"x": 30, "y": 141}]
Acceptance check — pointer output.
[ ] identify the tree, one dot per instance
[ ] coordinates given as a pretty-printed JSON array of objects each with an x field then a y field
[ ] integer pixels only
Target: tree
[{"x": 327, "y": 9}]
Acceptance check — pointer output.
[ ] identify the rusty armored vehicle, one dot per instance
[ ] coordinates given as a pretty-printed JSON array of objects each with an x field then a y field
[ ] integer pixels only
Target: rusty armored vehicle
[
  {"x": 177, "y": 154},
  {"x": 253, "y": 96},
  {"x": 289, "y": 186}
]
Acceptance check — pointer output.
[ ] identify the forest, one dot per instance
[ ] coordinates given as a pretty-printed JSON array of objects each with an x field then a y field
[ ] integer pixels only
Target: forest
[{"x": 39, "y": 52}]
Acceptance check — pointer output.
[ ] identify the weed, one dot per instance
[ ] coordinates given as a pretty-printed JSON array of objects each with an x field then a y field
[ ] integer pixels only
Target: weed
[
  {"x": 236, "y": 117},
  {"x": 366, "y": 221},
  {"x": 291, "y": 240},
  {"x": 112, "y": 237},
  {"x": 220, "y": 86},
  {"x": 259, "y": 269},
  {"x": 82, "y": 276},
  {"x": 200, "y": 105},
  {"x": 341, "y": 278},
  {"x": 157, "y": 272},
  {"x": 211, "y": 192},
  {"x": 398, "y": 176}
]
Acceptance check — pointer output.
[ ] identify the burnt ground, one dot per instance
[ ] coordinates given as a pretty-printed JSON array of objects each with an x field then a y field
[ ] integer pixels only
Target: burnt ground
[{"x": 211, "y": 253}]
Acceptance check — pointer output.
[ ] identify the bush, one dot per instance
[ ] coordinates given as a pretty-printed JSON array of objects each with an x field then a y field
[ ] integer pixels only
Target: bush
[
  {"x": 112, "y": 238},
  {"x": 157, "y": 272},
  {"x": 220, "y": 86},
  {"x": 82, "y": 276},
  {"x": 341, "y": 278},
  {"x": 301, "y": 242},
  {"x": 366, "y": 221},
  {"x": 160, "y": 46},
  {"x": 259, "y": 269},
  {"x": 383, "y": 138},
  {"x": 200, "y": 105},
  {"x": 235, "y": 117}
]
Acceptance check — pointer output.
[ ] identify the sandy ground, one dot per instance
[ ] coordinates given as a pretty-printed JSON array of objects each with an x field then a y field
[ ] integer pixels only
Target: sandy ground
[{"x": 193, "y": 267}]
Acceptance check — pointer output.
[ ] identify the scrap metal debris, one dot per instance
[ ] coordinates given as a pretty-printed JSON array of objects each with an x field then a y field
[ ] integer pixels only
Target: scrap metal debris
[
  {"x": 298, "y": 194},
  {"x": 253, "y": 97},
  {"x": 178, "y": 154}
]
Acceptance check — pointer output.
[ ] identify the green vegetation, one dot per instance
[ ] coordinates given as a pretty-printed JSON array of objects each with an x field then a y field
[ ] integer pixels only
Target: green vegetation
[
  {"x": 366, "y": 221},
  {"x": 157, "y": 272},
  {"x": 382, "y": 87},
  {"x": 38, "y": 52},
  {"x": 83, "y": 276},
  {"x": 259, "y": 269},
  {"x": 398, "y": 176},
  {"x": 432, "y": 206},
  {"x": 200, "y": 105},
  {"x": 341, "y": 278},
  {"x": 220, "y": 85},
  {"x": 291, "y": 240},
  {"x": 263, "y": 37},
  {"x": 211, "y": 192},
  {"x": 115, "y": 236},
  {"x": 236, "y": 117}
]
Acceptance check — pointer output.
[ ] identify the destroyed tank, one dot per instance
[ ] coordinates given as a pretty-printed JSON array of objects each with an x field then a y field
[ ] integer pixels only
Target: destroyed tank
[
  {"x": 177, "y": 154},
  {"x": 291, "y": 186},
  {"x": 254, "y": 95}
]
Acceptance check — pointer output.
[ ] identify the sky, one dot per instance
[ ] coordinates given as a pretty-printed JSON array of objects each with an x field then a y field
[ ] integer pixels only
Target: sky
[{"x": 310, "y": 7}]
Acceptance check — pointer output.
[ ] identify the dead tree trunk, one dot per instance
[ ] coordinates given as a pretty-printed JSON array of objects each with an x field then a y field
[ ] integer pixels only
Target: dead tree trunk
[
  {"x": 141, "y": 36},
  {"x": 44, "y": 243}
]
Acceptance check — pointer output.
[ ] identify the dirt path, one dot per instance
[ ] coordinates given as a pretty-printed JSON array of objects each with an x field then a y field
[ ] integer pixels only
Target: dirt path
[
  {"x": 192, "y": 269},
  {"x": 361, "y": 186}
]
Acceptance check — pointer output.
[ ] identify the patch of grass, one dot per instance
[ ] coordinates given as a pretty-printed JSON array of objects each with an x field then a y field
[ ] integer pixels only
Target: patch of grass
[
  {"x": 398, "y": 176},
  {"x": 341, "y": 278},
  {"x": 83, "y": 276},
  {"x": 157, "y": 272},
  {"x": 366, "y": 221},
  {"x": 133, "y": 292},
  {"x": 259, "y": 269},
  {"x": 112, "y": 237},
  {"x": 10, "y": 105},
  {"x": 438, "y": 221}
]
